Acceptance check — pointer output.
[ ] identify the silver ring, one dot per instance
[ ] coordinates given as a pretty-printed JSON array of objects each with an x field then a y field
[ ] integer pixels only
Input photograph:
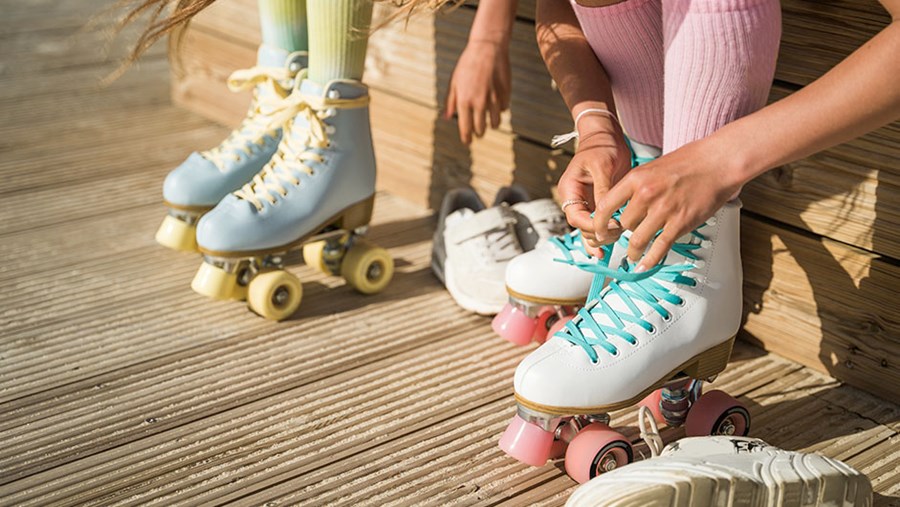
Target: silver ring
[{"x": 569, "y": 202}]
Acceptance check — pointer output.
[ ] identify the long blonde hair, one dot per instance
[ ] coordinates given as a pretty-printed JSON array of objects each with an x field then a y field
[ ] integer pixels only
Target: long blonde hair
[{"x": 173, "y": 17}]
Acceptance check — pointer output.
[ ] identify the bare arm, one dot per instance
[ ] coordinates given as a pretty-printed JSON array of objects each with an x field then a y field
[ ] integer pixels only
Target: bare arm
[
  {"x": 481, "y": 83},
  {"x": 685, "y": 187},
  {"x": 602, "y": 157},
  {"x": 858, "y": 95}
]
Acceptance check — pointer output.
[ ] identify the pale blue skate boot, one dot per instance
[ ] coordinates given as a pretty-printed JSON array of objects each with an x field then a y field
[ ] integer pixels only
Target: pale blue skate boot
[
  {"x": 317, "y": 190},
  {"x": 201, "y": 181}
]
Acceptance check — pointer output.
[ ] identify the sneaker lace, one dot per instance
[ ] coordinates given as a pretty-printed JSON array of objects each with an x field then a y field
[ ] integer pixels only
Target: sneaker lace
[
  {"x": 629, "y": 288},
  {"x": 306, "y": 135},
  {"x": 256, "y": 126},
  {"x": 501, "y": 242},
  {"x": 551, "y": 226}
]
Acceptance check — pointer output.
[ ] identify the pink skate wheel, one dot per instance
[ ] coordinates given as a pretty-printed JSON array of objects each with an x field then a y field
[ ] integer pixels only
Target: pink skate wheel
[
  {"x": 596, "y": 449},
  {"x": 557, "y": 326},
  {"x": 558, "y": 449},
  {"x": 717, "y": 413},
  {"x": 513, "y": 324},
  {"x": 540, "y": 327},
  {"x": 527, "y": 442},
  {"x": 652, "y": 401}
]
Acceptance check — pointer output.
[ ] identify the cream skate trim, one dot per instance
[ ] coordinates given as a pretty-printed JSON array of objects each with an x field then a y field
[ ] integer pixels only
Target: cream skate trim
[
  {"x": 545, "y": 301},
  {"x": 184, "y": 207},
  {"x": 702, "y": 366},
  {"x": 351, "y": 217}
]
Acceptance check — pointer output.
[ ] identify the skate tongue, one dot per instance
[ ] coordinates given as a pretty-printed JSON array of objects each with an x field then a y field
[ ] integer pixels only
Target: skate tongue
[
  {"x": 309, "y": 87},
  {"x": 270, "y": 56}
]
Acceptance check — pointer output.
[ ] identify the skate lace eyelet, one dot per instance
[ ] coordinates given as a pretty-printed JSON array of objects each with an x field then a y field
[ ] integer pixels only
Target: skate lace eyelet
[
  {"x": 667, "y": 317},
  {"x": 680, "y": 302},
  {"x": 651, "y": 331}
]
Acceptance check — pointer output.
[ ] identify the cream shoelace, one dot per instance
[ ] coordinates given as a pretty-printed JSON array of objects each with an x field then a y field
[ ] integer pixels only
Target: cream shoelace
[
  {"x": 305, "y": 132},
  {"x": 258, "y": 123}
]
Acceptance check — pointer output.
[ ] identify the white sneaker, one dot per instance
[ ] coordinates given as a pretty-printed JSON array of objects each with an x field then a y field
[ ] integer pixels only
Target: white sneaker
[
  {"x": 538, "y": 221},
  {"x": 478, "y": 247},
  {"x": 727, "y": 471}
]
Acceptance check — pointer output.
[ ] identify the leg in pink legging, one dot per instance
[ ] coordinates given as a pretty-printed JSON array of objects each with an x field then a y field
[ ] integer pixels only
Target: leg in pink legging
[
  {"x": 719, "y": 63},
  {"x": 627, "y": 38}
]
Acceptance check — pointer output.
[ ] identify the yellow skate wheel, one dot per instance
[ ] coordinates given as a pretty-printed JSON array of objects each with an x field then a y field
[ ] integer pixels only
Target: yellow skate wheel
[
  {"x": 367, "y": 268},
  {"x": 214, "y": 282},
  {"x": 314, "y": 255},
  {"x": 177, "y": 235},
  {"x": 274, "y": 295}
]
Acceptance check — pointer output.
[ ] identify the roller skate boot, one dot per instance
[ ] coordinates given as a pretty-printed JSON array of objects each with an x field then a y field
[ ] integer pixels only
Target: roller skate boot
[
  {"x": 545, "y": 285},
  {"x": 201, "y": 181},
  {"x": 665, "y": 329},
  {"x": 728, "y": 472},
  {"x": 316, "y": 193}
]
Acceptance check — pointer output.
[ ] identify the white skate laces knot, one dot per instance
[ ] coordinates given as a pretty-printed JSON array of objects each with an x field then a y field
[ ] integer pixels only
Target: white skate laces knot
[
  {"x": 269, "y": 84},
  {"x": 650, "y": 436},
  {"x": 304, "y": 142},
  {"x": 599, "y": 324}
]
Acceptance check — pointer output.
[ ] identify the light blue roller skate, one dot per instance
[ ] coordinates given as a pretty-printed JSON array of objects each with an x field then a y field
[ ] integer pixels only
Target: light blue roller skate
[
  {"x": 201, "y": 181},
  {"x": 316, "y": 192}
]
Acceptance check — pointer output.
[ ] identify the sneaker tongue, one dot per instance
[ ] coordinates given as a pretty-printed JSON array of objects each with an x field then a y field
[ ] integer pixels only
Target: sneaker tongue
[
  {"x": 457, "y": 217},
  {"x": 544, "y": 216}
]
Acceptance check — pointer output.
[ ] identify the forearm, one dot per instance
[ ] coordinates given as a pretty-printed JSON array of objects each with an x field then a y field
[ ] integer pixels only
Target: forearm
[
  {"x": 493, "y": 21},
  {"x": 572, "y": 63},
  {"x": 857, "y": 96}
]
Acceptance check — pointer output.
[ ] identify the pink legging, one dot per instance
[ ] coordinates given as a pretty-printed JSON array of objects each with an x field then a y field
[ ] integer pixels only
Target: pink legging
[{"x": 681, "y": 69}]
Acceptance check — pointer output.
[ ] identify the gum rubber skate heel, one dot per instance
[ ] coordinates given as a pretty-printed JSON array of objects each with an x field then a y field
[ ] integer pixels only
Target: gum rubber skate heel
[
  {"x": 356, "y": 216},
  {"x": 259, "y": 277},
  {"x": 711, "y": 362}
]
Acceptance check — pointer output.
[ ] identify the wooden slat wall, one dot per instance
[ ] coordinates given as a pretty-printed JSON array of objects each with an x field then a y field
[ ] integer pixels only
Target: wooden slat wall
[{"x": 821, "y": 236}]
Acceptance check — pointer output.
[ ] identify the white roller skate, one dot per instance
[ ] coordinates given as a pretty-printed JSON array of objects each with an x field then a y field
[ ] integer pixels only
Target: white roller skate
[
  {"x": 728, "y": 472},
  {"x": 316, "y": 192},
  {"x": 664, "y": 328},
  {"x": 546, "y": 285},
  {"x": 201, "y": 181}
]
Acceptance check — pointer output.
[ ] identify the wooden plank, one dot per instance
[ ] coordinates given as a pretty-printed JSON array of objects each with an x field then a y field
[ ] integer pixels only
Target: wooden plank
[
  {"x": 849, "y": 193},
  {"x": 119, "y": 385},
  {"x": 823, "y": 304}
]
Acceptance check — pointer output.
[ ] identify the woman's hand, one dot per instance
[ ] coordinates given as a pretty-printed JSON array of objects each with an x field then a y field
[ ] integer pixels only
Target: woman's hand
[
  {"x": 480, "y": 87},
  {"x": 675, "y": 193},
  {"x": 601, "y": 160}
]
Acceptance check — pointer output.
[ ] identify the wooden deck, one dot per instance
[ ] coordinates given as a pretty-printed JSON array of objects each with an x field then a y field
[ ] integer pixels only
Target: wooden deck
[{"x": 118, "y": 385}]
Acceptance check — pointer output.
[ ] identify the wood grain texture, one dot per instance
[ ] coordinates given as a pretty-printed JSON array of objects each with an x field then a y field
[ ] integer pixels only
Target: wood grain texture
[{"x": 120, "y": 386}]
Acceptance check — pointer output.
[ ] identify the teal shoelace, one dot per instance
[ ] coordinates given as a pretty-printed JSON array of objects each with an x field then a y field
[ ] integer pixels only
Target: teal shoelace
[
  {"x": 572, "y": 241},
  {"x": 629, "y": 287}
]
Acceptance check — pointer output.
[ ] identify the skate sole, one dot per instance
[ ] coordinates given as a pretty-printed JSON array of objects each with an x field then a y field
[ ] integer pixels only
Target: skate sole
[
  {"x": 184, "y": 207},
  {"x": 702, "y": 366},
  {"x": 784, "y": 479},
  {"x": 545, "y": 301},
  {"x": 354, "y": 216}
]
